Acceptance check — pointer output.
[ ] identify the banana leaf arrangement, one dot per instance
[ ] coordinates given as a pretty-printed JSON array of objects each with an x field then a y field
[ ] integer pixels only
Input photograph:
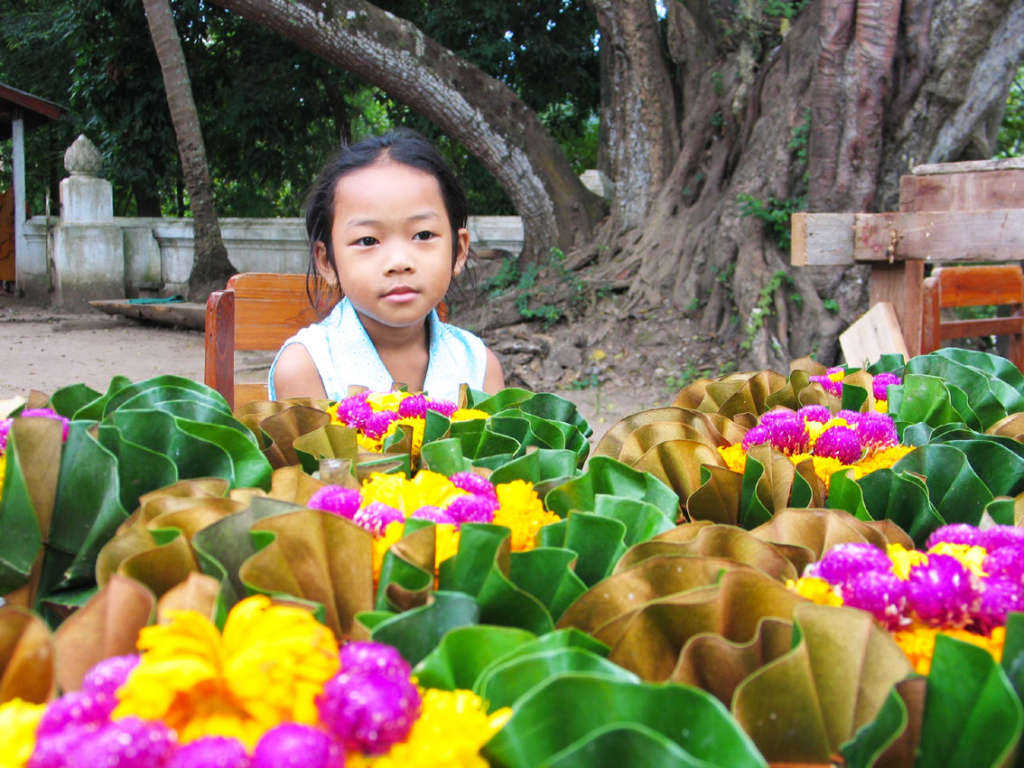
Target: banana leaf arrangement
[{"x": 651, "y": 618}]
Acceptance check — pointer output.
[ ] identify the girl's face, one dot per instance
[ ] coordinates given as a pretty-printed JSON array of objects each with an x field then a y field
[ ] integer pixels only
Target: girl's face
[{"x": 392, "y": 243}]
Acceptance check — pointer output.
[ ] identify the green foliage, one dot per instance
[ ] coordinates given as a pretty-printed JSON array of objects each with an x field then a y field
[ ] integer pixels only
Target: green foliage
[
  {"x": 774, "y": 213},
  {"x": 533, "y": 296},
  {"x": 1010, "y": 142},
  {"x": 831, "y": 305},
  {"x": 763, "y": 308}
]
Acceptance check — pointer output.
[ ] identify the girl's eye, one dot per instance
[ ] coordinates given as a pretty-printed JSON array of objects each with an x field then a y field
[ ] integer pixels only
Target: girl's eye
[
  {"x": 424, "y": 235},
  {"x": 366, "y": 241}
]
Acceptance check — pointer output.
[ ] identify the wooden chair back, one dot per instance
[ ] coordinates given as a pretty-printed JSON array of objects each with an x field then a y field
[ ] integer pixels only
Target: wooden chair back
[
  {"x": 257, "y": 311},
  {"x": 974, "y": 286}
]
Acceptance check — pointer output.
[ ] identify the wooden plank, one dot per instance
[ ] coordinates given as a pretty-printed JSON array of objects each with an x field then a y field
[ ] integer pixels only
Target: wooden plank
[
  {"x": 899, "y": 284},
  {"x": 822, "y": 239},
  {"x": 219, "y": 371},
  {"x": 968, "y": 166},
  {"x": 977, "y": 191},
  {"x": 980, "y": 285},
  {"x": 948, "y": 236},
  {"x": 873, "y": 334},
  {"x": 986, "y": 326}
]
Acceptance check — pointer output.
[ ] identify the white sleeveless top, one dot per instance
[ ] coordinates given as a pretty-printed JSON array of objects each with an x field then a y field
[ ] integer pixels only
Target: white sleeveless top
[{"x": 344, "y": 355}]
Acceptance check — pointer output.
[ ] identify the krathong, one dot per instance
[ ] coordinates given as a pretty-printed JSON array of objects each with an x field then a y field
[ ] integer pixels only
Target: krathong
[
  {"x": 832, "y": 382},
  {"x": 385, "y": 501},
  {"x": 5, "y": 429},
  {"x": 271, "y": 686},
  {"x": 863, "y": 442},
  {"x": 377, "y": 416},
  {"x": 963, "y": 585}
]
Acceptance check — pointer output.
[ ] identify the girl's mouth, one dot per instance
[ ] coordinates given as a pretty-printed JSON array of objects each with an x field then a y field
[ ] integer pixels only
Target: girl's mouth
[{"x": 400, "y": 294}]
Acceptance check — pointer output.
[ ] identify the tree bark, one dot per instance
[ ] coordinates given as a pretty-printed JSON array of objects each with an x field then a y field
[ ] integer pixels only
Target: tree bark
[
  {"x": 473, "y": 108},
  {"x": 211, "y": 266}
]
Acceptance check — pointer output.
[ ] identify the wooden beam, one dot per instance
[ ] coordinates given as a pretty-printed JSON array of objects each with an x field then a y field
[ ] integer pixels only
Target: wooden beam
[
  {"x": 950, "y": 236},
  {"x": 976, "y": 191}
]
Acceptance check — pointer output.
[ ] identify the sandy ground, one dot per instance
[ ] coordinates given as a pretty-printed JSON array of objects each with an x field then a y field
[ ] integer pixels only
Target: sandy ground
[{"x": 43, "y": 350}]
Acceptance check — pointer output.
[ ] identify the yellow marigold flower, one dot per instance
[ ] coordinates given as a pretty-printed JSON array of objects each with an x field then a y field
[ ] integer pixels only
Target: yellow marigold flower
[
  {"x": 267, "y": 668},
  {"x": 883, "y": 459},
  {"x": 522, "y": 512},
  {"x": 407, "y": 496},
  {"x": 3, "y": 471},
  {"x": 381, "y": 544},
  {"x": 815, "y": 589},
  {"x": 918, "y": 643},
  {"x": 469, "y": 414},
  {"x": 904, "y": 559},
  {"x": 971, "y": 557},
  {"x": 837, "y": 375},
  {"x": 451, "y": 729},
  {"x": 386, "y": 401},
  {"x": 734, "y": 456},
  {"x": 446, "y": 543},
  {"x": 882, "y": 406},
  {"x": 18, "y": 722}
]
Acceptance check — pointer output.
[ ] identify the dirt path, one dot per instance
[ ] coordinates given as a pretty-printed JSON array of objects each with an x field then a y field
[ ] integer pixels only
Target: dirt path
[{"x": 44, "y": 350}]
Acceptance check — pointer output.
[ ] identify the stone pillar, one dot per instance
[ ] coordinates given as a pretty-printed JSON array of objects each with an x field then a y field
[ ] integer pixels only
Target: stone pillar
[{"x": 88, "y": 244}]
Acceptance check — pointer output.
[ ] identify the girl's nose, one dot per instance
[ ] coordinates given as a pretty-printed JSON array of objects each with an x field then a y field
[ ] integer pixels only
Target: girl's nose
[{"x": 398, "y": 260}]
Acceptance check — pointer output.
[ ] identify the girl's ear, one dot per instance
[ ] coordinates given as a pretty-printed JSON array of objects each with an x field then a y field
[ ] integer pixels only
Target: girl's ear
[
  {"x": 461, "y": 250},
  {"x": 324, "y": 268}
]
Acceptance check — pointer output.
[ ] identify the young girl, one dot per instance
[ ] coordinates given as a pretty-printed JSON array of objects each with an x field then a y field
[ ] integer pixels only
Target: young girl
[{"x": 386, "y": 222}]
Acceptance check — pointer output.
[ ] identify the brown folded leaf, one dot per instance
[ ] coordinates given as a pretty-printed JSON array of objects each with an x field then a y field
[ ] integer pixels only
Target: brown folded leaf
[
  {"x": 197, "y": 593},
  {"x": 718, "y": 500},
  {"x": 26, "y": 656},
  {"x": 818, "y": 530}
]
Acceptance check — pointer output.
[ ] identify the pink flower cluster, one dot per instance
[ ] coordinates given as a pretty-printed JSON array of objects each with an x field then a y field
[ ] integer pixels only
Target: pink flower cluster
[
  {"x": 834, "y": 386},
  {"x": 478, "y": 505},
  {"x": 46, "y": 413},
  {"x": 354, "y": 411},
  {"x": 939, "y": 589},
  {"x": 368, "y": 706},
  {"x": 847, "y": 439}
]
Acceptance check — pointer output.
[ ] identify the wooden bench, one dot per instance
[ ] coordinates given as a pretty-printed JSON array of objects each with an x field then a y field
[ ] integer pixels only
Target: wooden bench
[
  {"x": 974, "y": 286},
  {"x": 258, "y": 311}
]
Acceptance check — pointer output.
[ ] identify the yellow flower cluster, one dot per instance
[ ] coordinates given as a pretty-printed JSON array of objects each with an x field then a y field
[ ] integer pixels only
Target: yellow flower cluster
[
  {"x": 522, "y": 512},
  {"x": 451, "y": 729},
  {"x": 918, "y": 643},
  {"x": 265, "y": 669},
  {"x": 815, "y": 589},
  {"x": 18, "y": 722}
]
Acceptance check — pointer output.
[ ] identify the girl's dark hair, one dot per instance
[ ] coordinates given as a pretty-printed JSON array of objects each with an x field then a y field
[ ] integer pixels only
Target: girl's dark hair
[{"x": 403, "y": 145}]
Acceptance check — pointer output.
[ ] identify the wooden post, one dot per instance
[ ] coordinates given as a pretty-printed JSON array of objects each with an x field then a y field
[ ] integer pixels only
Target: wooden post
[{"x": 18, "y": 141}]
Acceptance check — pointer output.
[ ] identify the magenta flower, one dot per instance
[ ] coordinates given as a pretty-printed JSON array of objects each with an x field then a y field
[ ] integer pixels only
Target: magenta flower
[
  {"x": 336, "y": 499},
  {"x": 374, "y": 657},
  {"x": 789, "y": 434},
  {"x": 941, "y": 592},
  {"x": 1000, "y": 596},
  {"x": 817, "y": 413},
  {"x": 75, "y": 709},
  {"x": 126, "y": 743},
  {"x": 444, "y": 407},
  {"x": 474, "y": 483},
  {"x": 768, "y": 418},
  {"x": 210, "y": 752},
  {"x": 413, "y": 406},
  {"x": 369, "y": 711},
  {"x": 376, "y": 516},
  {"x": 293, "y": 745},
  {"x": 832, "y": 387},
  {"x": 876, "y": 431},
  {"x": 1006, "y": 562},
  {"x": 756, "y": 436},
  {"x": 839, "y": 443},
  {"x": 472, "y": 509},
  {"x": 434, "y": 515},
  {"x": 108, "y": 675},
  {"x": 354, "y": 410},
  {"x": 852, "y": 418},
  {"x": 880, "y": 593},
  {"x": 955, "y": 533},
  {"x": 846, "y": 561},
  {"x": 881, "y": 383},
  {"x": 57, "y": 750},
  {"x": 377, "y": 423},
  {"x": 999, "y": 536}
]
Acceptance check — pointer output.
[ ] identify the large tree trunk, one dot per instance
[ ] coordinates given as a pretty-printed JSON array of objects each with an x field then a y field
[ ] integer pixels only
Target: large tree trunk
[
  {"x": 884, "y": 85},
  {"x": 211, "y": 267},
  {"x": 467, "y": 104}
]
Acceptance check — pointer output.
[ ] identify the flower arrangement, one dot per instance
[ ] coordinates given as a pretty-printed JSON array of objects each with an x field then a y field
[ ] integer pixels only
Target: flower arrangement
[
  {"x": 270, "y": 689},
  {"x": 376, "y": 416},
  {"x": 832, "y": 382},
  {"x": 863, "y": 442},
  {"x": 964, "y": 585},
  {"x": 385, "y": 501}
]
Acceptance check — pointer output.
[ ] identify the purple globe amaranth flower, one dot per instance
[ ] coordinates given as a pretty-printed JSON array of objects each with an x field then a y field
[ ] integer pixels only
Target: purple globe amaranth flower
[
  {"x": 789, "y": 435},
  {"x": 474, "y": 483},
  {"x": 999, "y": 536},
  {"x": 839, "y": 443},
  {"x": 376, "y": 516},
  {"x": 56, "y": 750},
  {"x": 377, "y": 423},
  {"x": 354, "y": 410},
  {"x": 472, "y": 509},
  {"x": 293, "y": 745},
  {"x": 108, "y": 675},
  {"x": 881, "y": 383},
  {"x": 852, "y": 418},
  {"x": 127, "y": 743},
  {"x": 941, "y": 591},
  {"x": 876, "y": 431},
  {"x": 1000, "y": 596},
  {"x": 414, "y": 406},
  {"x": 846, "y": 561},
  {"x": 880, "y": 593},
  {"x": 336, "y": 499},
  {"x": 76, "y": 708},
  {"x": 954, "y": 533},
  {"x": 818, "y": 413},
  {"x": 834, "y": 388},
  {"x": 1005, "y": 562},
  {"x": 368, "y": 711},
  {"x": 775, "y": 415},
  {"x": 374, "y": 657},
  {"x": 444, "y": 407},
  {"x": 756, "y": 436},
  {"x": 434, "y": 515},
  {"x": 210, "y": 752}
]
